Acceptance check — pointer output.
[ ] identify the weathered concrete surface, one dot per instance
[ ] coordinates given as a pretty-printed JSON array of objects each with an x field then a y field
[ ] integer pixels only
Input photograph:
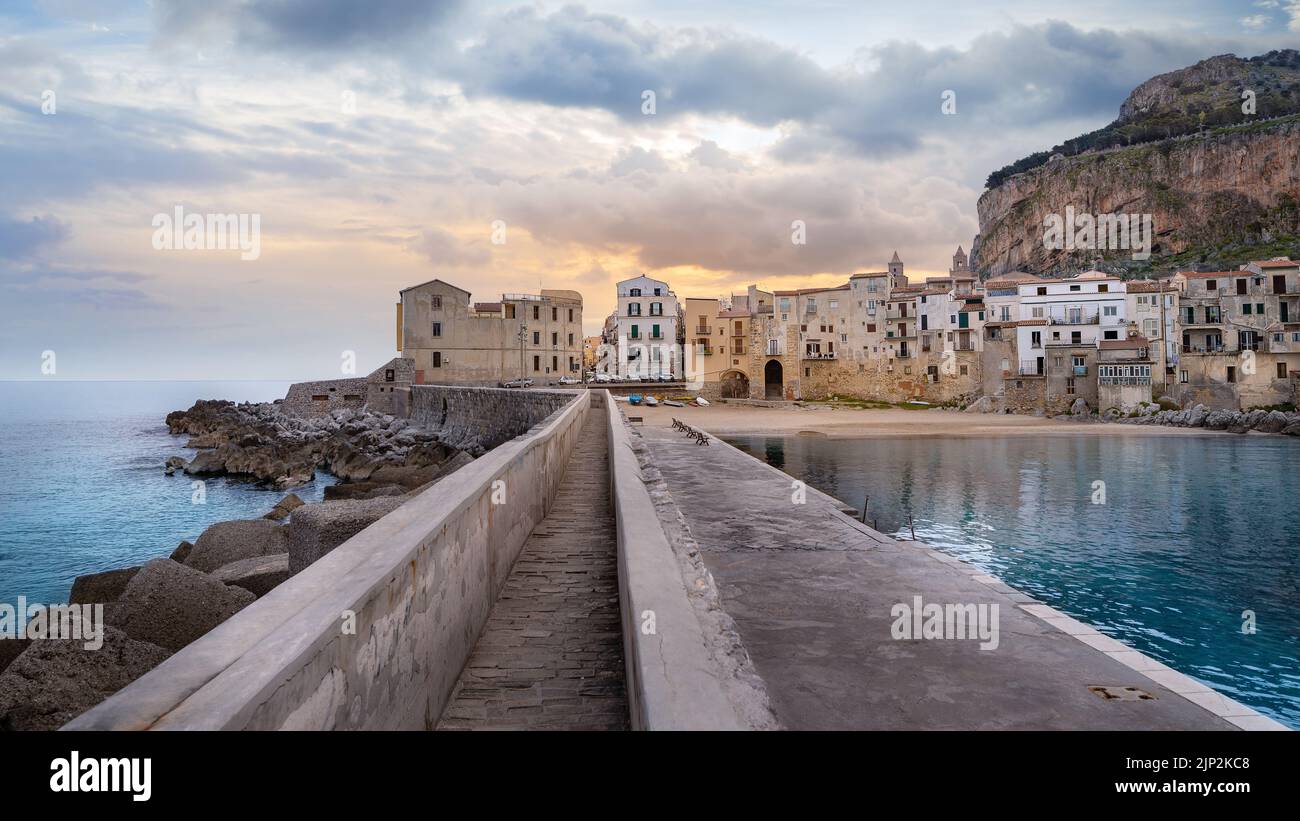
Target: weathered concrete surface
[
  {"x": 226, "y": 542},
  {"x": 476, "y": 419},
  {"x": 374, "y": 634},
  {"x": 551, "y": 654},
  {"x": 171, "y": 605},
  {"x": 811, "y": 591},
  {"x": 101, "y": 587},
  {"x": 317, "y": 529},
  {"x": 55, "y": 679},
  {"x": 258, "y": 575}
]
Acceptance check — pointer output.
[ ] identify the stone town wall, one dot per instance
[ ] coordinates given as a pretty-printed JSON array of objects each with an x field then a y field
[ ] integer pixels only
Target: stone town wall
[
  {"x": 478, "y": 419},
  {"x": 374, "y": 635},
  {"x": 1025, "y": 394}
]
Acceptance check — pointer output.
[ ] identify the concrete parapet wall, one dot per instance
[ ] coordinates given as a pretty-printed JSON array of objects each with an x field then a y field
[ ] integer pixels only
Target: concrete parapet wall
[
  {"x": 672, "y": 682},
  {"x": 373, "y": 635},
  {"x": 478, "y": 419}
]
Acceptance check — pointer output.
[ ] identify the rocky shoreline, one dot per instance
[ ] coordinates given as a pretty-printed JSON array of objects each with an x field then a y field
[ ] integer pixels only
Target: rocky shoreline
[
  {"x": 155, "y": 609},
  {"x": 1260, "y": 420}
]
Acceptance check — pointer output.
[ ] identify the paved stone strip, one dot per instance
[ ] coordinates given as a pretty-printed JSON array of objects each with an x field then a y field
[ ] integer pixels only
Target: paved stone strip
[{"x": 551, "y": 654}]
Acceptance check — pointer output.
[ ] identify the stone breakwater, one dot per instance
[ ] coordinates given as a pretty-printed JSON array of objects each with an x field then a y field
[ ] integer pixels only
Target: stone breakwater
[
  {"x": 155, "y": 609},
  {"x": 1199, "y": 416},
  {"x": 261, "y": 441}
]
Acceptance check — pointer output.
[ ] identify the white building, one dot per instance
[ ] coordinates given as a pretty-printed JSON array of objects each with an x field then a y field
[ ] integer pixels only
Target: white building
[
  {"x": 1075, "y": 313},
  {"x": 646, "y": 324}
]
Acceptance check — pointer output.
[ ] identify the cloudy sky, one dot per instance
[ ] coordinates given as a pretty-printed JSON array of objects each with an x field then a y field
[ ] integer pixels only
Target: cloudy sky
[{"x": 378, "y": 141}]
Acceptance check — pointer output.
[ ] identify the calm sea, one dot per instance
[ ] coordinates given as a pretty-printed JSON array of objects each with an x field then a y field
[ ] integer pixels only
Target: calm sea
[
  {"x": 1194, "y": 532},
  {"x": 82, "y": 486}
]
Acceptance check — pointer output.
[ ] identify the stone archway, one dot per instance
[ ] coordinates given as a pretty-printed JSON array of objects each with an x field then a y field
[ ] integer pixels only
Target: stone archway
[
  {"x": 773, "y": 380},
  {"x": 734, "y": 385}
]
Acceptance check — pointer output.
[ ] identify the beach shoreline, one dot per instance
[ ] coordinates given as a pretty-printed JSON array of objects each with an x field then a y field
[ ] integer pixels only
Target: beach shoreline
[{"x": 859, "y": 423}]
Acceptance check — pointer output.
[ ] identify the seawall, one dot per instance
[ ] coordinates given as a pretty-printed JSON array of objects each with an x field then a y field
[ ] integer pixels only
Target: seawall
[{"x": 373, "y": 635}]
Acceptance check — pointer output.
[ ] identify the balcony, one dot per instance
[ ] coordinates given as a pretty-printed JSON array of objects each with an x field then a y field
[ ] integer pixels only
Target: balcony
[
  {"x": 1080, "y": 370},
  {"x": 1074, "y": 318},
  {"x": 1030, "y": 367},
  {"x": 820, "y": 355},
  {"x": 703, "y": 330},
  {"x": 1206, "y": 349}
]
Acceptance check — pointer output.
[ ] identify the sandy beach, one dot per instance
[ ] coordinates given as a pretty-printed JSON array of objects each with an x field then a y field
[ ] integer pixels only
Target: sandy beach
[{"x": 723, "y": 419}]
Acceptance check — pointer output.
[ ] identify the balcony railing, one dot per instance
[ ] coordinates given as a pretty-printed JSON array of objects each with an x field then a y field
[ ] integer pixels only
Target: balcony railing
[
  {"x": 820, "y": 355},
  {"x": 1080, "y": 370},
  {"x": 703, "y": 330},
  {"x": 1030, "y": 367},
  {"x": 1124, "y": 380},
  {"x": 1206, "y": 349},
  {"x": 1074, "y": 318}
]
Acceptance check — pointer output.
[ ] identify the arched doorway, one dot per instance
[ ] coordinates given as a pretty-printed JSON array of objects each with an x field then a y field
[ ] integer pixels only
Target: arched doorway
[
  {"x": 772, "y": 380},
  {"x": 734, "y": 385}
]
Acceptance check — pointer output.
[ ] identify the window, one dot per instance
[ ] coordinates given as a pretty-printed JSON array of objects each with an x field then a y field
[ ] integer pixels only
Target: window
[
  {"x": 964, "y": 369},
  {"x": 636, "y": 332},
  {"x": 537, "y": 363},
  {"x": 658, "y": 292},
  {"x": 1182, "y": 377},
  {"x": 555, "y": 338},
  {"x": 555, "y": 314},
  {"x": 871, "y": 328},
  {"x": 555, "y": 364},
  {"x": 1211, "y": 285},
  {"x": 510, "y": 311},
  {"x": 656, "y": 309},
  {"x": 835, "y": 303},
  {"x": 807, "y": 371},
  {"x": 537, "y": 337},
  {"x": 436, "y": 302},
  {"x": 634, "y": 292},
  {"x": 1035, "y": 339},
  {"x": 1036, "y": 312},
  {"x": 1259, "y": 308},
  {"x": 785, "y": 304},
  {"x": 1150, "y": 328},
  {"x": 537, "y": 312},
  {"x": 634, "y": 309},
  {"x": 1075, "y": 287},
  {"x": 1042, "y": 291},
  {"x": 1069, "y": 385},
  {"x": 570, "y": 314},
  {"x": 1281, "y": 370},
  {"x": 570, "y": 340},
  {"x": 437, "y": 329},
  {"x": 1111, "y": 335},
  {"x": 654, "y": 332},
  {"x": 1110, "y": 310},
  {"x": 1245, "y": 308},
  {"x": 1232, "y": 373},
  {"x": 437, "y": 359},
  {"x": 1103, "y": 288}
]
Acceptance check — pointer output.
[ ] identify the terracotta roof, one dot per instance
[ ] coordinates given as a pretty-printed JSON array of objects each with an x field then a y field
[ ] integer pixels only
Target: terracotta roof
[
  {"x": 1275, "y": 263},
  {"x": 1032, "y": 322},
  {"x": 1208, "y": 274},
  {"x": 873, "y": 274},
  {"x": 971, "y": 306}
]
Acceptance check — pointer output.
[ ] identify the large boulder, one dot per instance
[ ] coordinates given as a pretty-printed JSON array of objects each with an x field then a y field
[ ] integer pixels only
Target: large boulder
[
  {"x": 317, "y": 529},
  {"x": 226, "y": 542},
  {"x": 258, "y": 575},
  {"x": 1220, "y": 419},
  {"x": 171, "y": 605},
  {"x": 1272, "y": 422},
  {"x": 207, "y": 463},
  {"x": 284, "y": 507},
  {"x": 56, "y": 680},
  {"x": 182, "y": 552},
  {"x": 11, "y": 649},
  {"x": 101, "y": 587},
  {"x": 1196, "y": 416}
]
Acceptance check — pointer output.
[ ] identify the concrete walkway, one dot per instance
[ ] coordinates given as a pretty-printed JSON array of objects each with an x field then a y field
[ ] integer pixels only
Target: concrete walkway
[
  {"x": 811, "y": 592},
  {"x": 551, "y": 654}
]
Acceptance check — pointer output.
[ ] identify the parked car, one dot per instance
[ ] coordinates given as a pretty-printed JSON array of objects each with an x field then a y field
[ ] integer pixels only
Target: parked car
[
  {"x": 568, "y": 380},
  {"x": 517, "y": 383},
  {"x": 604, "y": 377}
]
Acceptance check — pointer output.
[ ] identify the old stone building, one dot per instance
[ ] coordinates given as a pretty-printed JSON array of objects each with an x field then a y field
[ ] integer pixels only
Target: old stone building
[
  {"x": 454, "y": 342},
  {"x": 1240, "y": 334}
]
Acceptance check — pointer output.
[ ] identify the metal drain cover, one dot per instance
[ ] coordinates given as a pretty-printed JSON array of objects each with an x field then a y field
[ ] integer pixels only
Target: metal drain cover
[{"x": 1113, "y": 693}]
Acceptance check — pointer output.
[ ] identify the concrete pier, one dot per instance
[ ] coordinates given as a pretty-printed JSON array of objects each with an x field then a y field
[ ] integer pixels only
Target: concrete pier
[{"x": 811, "y": 591}]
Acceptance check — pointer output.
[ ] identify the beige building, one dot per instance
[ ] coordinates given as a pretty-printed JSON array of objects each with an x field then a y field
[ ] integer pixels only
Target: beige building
[
  {"x": 455, "y": 342},
  {"x": 1240, "y": 330}
]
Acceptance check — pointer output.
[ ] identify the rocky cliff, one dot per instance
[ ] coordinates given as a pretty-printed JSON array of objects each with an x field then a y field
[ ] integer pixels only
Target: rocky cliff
[{"x": 1218, "y": 191}]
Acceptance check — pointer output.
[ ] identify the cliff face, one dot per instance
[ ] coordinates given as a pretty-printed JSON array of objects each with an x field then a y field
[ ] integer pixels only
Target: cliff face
[
  {"x": 1184, "y": 150},
  {"x": 1232, "y": 186}
]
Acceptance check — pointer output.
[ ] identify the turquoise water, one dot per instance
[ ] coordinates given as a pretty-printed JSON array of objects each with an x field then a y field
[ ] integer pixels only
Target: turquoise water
[
  {"x": 1194, "y": 531},
  {"x": 82, "y": 486}
]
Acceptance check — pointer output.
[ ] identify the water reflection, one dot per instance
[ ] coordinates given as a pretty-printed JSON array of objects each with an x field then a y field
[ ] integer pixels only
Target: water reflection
[{"x": 1193, "y": 531}]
